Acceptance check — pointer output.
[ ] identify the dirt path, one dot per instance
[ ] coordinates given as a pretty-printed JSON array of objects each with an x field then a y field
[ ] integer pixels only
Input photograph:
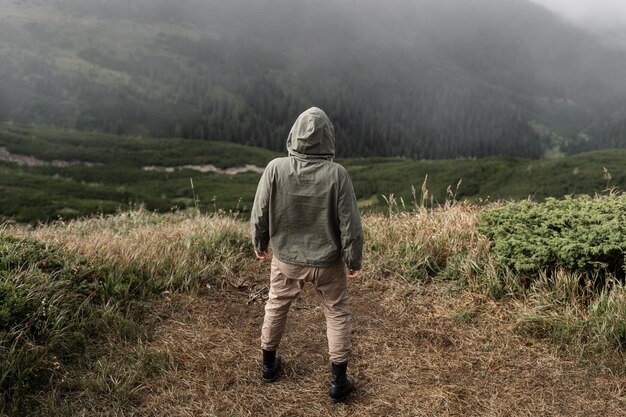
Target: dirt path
[
  {"x": 208, "y": 168},
  {"x": 418, "y": 351},
  {"x": 31, "y": 161}
]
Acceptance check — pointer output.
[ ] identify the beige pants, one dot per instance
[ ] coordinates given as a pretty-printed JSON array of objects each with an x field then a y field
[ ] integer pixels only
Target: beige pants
[{"x": 286, "y": 281}]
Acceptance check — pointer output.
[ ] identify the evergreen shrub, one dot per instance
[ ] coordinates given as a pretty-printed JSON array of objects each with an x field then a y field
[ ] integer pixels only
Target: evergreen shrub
[{"x": 577, "y": 234}]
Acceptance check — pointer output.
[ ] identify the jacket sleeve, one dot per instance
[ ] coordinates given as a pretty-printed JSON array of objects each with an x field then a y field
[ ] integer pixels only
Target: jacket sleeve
[
  {"x": 259, "y": 219},
  {"x": 349, "y": 224}
]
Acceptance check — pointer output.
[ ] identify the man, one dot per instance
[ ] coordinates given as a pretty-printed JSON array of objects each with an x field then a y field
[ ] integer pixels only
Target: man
[{"x": 306, "y": 209}]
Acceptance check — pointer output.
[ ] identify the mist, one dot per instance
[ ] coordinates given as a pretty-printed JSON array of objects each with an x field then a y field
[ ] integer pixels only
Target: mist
[{"x": 599, "y": 14}]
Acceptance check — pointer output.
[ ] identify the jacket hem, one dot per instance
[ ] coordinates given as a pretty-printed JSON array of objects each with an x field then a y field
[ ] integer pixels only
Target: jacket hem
[{"x": 308, "y": 263}]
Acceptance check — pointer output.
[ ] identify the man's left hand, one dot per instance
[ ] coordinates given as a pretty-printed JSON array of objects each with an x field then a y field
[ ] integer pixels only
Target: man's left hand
[{"x": 352, "y": 274}]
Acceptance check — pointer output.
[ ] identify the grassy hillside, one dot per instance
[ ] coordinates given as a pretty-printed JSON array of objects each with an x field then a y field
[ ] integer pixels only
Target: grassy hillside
[
  {"x": 494, "y": 178},
  {"x": 151, "y": 314},
  {"x": 115, "y": 179},
  {"x": 49, "y": 144}
]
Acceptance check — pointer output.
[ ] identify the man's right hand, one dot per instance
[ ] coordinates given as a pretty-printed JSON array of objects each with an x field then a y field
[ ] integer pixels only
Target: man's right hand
[
  {"x": 263, "y": 255},
  {"x": 352, "y": 274}
]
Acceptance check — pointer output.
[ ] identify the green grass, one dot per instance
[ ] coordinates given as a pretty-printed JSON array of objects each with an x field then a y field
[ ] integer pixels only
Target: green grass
[
  {"x": 118, "y": 182},
  {"x": 45, "y": 302},
  {"x": 492, "y": 178},
  {"x": 122, "y": 151},
  {"x": 46, "y": 193}
]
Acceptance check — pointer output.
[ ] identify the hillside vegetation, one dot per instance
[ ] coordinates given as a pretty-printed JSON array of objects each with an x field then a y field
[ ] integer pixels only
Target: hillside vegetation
[
  {"x": 80, "y": 300},
  {"x": 416, "y": 79},
  {"x": 115, "y": 178}
]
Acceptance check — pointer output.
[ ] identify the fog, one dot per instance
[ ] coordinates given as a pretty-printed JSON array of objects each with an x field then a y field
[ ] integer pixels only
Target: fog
[{"x": 598, "y": 14}]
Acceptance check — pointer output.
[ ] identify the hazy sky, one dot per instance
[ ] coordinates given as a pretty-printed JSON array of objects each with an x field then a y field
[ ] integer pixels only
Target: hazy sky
[{"x": 609, "y": 13}]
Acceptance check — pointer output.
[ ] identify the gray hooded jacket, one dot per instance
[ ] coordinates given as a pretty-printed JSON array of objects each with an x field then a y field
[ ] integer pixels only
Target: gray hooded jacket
[{"x": 305, "y": 204}]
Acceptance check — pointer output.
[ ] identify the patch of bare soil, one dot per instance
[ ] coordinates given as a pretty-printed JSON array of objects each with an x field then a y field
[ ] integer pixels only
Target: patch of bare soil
[
  {"x": 418, "y": 351},
  {"x": 31, "y": 161},
  {"x": 208, "y": 168}
]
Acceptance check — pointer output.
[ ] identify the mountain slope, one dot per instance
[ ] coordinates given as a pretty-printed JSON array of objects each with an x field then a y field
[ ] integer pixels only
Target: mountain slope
[{"x": 419, "y": 79}]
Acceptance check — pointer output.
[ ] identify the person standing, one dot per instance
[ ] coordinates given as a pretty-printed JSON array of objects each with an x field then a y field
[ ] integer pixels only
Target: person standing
[{"x": 305, "y": 208}]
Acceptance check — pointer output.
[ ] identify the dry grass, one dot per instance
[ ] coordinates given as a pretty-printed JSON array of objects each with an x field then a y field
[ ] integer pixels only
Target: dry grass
[
  {"x": 418, "y": 245},
  {"x": 181, "y": 251},
  {"x": 423, "y": 346},
  {"x": 412, "y": 357}
]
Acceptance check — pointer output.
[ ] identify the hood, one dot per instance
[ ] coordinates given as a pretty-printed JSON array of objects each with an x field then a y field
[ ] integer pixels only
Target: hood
[{"x": 312, "y": 136}]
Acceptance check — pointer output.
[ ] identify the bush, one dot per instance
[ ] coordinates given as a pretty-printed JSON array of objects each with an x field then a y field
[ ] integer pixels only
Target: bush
[
  {"x": 566, "y": 261},
  {"x": 582, "y": 234}
]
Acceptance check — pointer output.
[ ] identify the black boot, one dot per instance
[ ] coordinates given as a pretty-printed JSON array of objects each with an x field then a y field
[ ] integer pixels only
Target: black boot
[
  {"x": 340, "y": 385},
  {"x": 272, "y": 365}
]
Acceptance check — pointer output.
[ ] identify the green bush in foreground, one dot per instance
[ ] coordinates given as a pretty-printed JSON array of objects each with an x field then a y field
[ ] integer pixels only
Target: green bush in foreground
[
  {"x": 564, "y": 260},
  {"x": 581, "y": 234}
]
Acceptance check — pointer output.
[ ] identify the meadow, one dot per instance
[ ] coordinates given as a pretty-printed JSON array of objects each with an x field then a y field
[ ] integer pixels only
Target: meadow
[
  {"x": 157, "y": 314},
  {"x": 116, "y": 181}
]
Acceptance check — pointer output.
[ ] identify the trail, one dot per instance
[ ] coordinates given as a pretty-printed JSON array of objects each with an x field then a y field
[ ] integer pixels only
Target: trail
[
  {"x": 208, "y": 168},
  {"x": 427, "y": 350},
  {"x": 31, "y": 161}
]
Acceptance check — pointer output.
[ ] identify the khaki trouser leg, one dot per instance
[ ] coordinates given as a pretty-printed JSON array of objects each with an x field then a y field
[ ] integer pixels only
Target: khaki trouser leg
[
  {"x": 286, "y": 281},
  {"x": 283, "y": 290},
  {"x": 331, "y": 286}
]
